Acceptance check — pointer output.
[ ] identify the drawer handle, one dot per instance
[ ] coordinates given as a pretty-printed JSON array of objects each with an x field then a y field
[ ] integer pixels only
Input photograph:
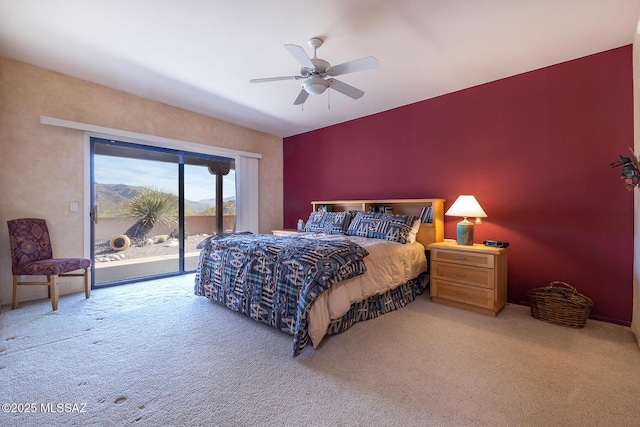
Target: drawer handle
[
  {"x": 460, "y": 274},
  {"x": 460, "y": 258},
  {"x": 459, "y": 293}
]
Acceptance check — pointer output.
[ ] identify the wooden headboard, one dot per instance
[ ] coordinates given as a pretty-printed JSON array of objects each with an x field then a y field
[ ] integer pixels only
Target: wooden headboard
[{"x": 430, "y": 232}]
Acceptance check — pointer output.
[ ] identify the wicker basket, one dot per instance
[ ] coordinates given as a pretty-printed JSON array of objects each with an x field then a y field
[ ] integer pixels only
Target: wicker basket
[{"x": 560, "y": 304}]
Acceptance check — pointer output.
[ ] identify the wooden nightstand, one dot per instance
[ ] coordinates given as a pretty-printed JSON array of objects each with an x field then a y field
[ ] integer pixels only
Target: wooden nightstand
[{"x": 473, "y": 278}]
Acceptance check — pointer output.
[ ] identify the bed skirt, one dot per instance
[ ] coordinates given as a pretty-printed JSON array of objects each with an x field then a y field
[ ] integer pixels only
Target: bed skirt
[{"x": 378, "y": 305}]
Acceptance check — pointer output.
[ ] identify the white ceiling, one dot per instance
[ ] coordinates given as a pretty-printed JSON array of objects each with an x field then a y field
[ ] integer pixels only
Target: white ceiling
[{"x": 201, "y": 54}]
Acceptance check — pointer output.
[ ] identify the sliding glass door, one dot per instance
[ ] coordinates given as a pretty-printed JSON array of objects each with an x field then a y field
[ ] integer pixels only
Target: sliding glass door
[
  {"x": 210, "y": 202},
  {"x": 151, "y": 207}
]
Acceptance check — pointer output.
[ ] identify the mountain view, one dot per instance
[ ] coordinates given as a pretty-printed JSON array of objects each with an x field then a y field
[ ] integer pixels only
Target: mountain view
[{"x": 110, "y": 197}]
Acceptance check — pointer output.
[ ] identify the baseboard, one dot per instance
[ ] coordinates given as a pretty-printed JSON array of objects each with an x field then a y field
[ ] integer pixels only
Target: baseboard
[
  {"x": 600, "y": 318},
  {"x": 610, "y": 320}
]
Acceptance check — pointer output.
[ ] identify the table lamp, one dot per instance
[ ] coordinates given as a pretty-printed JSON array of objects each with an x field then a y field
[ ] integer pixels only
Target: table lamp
[{"x": 466, "y": 206}]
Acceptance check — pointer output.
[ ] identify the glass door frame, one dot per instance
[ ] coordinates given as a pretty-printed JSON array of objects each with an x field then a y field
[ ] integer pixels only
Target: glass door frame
[{"x": 181, "y": 154}]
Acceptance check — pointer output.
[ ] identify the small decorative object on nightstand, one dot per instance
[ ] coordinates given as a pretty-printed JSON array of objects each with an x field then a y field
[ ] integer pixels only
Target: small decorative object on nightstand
[
  {"x": 471, "y": 277},
  {"x": 466, "y": 206}
]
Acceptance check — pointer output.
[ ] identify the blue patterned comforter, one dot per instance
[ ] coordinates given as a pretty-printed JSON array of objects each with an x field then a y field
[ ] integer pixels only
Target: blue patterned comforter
[{"x": 274, "y": 279}]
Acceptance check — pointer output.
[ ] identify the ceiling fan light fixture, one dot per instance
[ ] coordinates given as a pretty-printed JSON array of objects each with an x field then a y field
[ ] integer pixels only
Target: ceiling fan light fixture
[
  {"x": 315, "y": 85},
  {"x": 318, "y": 74}
]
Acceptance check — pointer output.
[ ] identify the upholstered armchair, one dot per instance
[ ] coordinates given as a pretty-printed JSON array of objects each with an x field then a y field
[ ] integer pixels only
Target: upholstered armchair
[{"x": 31, "y": 255}]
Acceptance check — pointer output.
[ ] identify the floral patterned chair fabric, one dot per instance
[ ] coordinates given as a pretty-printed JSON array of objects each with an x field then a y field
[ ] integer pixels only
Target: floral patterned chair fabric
[{"x": 31, "y": 255}]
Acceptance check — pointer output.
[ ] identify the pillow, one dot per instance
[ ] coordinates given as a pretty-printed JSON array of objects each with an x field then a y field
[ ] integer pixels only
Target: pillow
[
  {"x": 376, "y": 225},
  {"x": 361, "y": 223},
  {"x": 411, "y": 238},
  {"x": 328, "y": 222}
]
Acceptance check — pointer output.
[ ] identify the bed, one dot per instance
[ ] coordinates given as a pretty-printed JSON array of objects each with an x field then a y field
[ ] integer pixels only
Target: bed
[{"x": 350, "y": 264}]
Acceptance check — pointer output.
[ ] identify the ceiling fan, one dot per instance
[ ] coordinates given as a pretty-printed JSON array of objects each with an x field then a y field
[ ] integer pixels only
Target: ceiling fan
[{"x": 318, "y": 74}]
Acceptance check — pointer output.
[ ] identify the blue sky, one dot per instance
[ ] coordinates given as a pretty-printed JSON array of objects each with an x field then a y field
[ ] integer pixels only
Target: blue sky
[{"x": 200, "y": 184}]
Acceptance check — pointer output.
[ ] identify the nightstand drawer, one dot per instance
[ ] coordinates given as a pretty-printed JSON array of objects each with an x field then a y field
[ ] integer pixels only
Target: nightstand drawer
[
  {"x": 471, "y": 295},
  {"x": 475, "y": 276},
  {"x": 462, "y": 257},
  {"x": 471, "y": 277}
]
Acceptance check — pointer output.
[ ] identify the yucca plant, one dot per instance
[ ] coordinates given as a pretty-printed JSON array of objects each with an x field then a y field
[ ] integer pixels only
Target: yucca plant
[{"x": 149, "y": 207}]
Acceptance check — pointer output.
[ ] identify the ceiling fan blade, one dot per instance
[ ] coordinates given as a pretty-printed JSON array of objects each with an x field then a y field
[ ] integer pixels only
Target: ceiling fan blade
[
  {"x": 302, "y": 97},
  {"x": 300, "y": 55},
  {"x": 361, "y": 64},
  {"x": 345, "y": 89},
  {"x": 275, "y": 79}
]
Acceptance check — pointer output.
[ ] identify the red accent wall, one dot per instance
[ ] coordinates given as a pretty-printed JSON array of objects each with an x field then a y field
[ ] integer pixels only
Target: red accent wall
[{"x": 535, "y": 151}]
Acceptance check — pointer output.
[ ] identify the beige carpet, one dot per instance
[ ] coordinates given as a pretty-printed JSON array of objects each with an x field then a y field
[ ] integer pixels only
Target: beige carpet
[{"x": 154, "y": 354}]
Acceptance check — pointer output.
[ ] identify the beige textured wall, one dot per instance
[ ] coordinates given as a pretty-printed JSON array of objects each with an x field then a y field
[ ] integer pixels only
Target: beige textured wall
[{"x": 42, "y": 166}]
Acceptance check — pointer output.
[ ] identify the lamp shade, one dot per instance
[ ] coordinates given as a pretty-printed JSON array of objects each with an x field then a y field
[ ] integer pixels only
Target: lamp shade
[{"x": 466, "y": 206}]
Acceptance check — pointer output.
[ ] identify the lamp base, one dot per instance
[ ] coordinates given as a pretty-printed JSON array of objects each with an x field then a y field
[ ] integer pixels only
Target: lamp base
[{"x": 464, "y": 232}]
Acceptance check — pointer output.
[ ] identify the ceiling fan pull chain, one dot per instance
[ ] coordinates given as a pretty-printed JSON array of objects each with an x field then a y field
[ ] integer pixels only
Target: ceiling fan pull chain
[{"x": 329, "y": 99}]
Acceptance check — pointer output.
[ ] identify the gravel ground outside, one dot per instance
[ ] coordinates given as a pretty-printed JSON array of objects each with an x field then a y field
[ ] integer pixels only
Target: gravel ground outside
[{"x": 105, "y": 253}]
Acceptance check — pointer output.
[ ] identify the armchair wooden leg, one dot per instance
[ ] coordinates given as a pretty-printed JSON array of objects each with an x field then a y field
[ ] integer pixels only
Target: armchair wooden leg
[
  {"x": 87, "y": 286},
  {"x": 53, "y": 288},
  {"x": 14, "y": 302}
]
